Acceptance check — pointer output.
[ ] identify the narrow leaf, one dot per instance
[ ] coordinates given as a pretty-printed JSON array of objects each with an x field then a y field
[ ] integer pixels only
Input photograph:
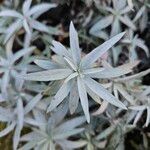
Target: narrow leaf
[
  {"x": 90, "y": 58},
  {"x": 103, "y": 93}
]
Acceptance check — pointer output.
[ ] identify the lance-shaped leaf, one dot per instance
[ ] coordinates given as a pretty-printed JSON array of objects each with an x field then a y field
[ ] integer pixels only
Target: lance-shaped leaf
[
  {"x": 83, "y": 98},
  {"x": 103, "y": 93},
  {"x": 148, "y": 117},
  {"x": 72, "y": 144},
  {"x": 115, "y": 72},
  {"x": 46, "y": 64},
  {"x": 66, "y": 134},
  {"x": 39, "y": 26},
  {"x": 103, "y": 23},
  {"x": 21, "y": 53},
  {"x": 37, "y": 10},
  {"x": 11, "y": 13},
  {"x": 74, "y": 44},
  {"x": 20, "y": 114},
  {"x": 60, "y": 96},
  {"x": 26, "y": 6},
  {"x": 73, "y": 98},
  {"x": 90, "y": 58},
  {"x": 59, "y": 49},
  {"x": 12, "y": 29},
  {"x": 70, "y": 124},
  {"x": 7, "y": 129},
  {"x": 48, "y": 75},
  {"x": 32, "y": 103}
]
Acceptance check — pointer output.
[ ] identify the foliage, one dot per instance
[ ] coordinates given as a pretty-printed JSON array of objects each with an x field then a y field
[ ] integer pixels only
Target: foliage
[{"x": 63, "y": 95}]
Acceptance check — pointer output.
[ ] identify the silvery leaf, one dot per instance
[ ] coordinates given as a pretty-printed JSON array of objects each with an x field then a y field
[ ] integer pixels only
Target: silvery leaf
[
  {"x": 37, "y": 10},
  {"x": 32, "y": 103},
  {"x": 83, "y": 98},
  {"x": 102, "y": 24},
  {"x": 46, "y": 64},
  {"x": 10, "y": 13},
  {"x": 39, "y": 26},
  {"x": 48, "y": 75},
  {"x": 73, "y": 98},
  {"x": 60, "y": 96},
  {"x": 103, "y": 93},
  {"x": 7, "y": 129},
  {"x": 90, "y": 58},
  {"x": 74, "y": 44},
  {"x": 26, "y": 6}
]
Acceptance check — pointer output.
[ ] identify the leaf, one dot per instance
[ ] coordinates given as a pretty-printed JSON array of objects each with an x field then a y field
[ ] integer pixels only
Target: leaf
[
  {"x": 138, "y": 116},
  {"x": 29, "y": 146},
  {"x": 32, "y": 103},
  {"x": 5, "y": 82},
  {"x": 46, "y": 64},
  {"x": 70, "y": 124},
  {"x": 7, "y": 129},
  {"x": 94, "y": 96},
  {"x": 59, "y": 49},
  {"x": 66, "y": 134},
  {"x": 12, "y": 29},
  {"x": 101, "y": 109},
  {"x": 105, "y": 133},
  {"x": 140, "y": 43},
  {"x": 32, "y": 136},
  {"x": 59, "y": 113},
  {"x": 115, "y": 72},
  {"x": 148, "y": 117},
  {"x": 102, "y": 24},
  {"x": 39, "y": 9},
  {"x": 26, "y": 6},
  {"x": 142, "y": 107},
  {"x": 83, "y": 98},
  {"x": 20, "y": 114},
  {"x": 48, "y": 75},
  {"x": 125, "y": 10},
  {"x": 90, "y": 58},
  {"x": 73, "y": 144},
  {"x": 115, "y": 29},
  {"x": 26, "y": 27},
  {"x": 60, "y": 96},
  {"x": 73, "y": 98},
  {"x": 74, "y": 44},
  {"x": 16, "y": 137},
  {"x": 10, "y": 13},
  {"x": 103, "y": 93},
  {"x": 130, "y": 3},
  {"x": 139, "y": 13},
  {"x": 126, "y": 20},
  {"x": 39, "y": 26},
  {"x": 21, "y": 53}
]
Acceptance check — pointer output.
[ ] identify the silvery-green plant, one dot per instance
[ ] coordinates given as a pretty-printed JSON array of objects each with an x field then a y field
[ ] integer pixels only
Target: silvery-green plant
[
  {"x": 142, "y": 14},
  {"x": 27, "y": 19},
  {"x": 14, "y": 110},
  {"x": 51, "y": 131},
  {"x": 140, "y": 106},
  {"x": 116, "y": 16},
  {"x": 132, "y": 42},
  {"x": 77, "y": 74},
  {"x": 9, "y": 64}
]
